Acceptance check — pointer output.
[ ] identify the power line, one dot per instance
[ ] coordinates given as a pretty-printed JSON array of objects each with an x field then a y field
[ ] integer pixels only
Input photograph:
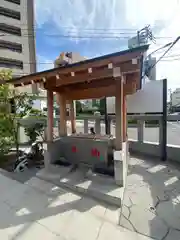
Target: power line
[
  {"x": 73, "y": 36},
  {"x": 82, "y": 28},
  {"x": 170, "y": 45},
  {"x": 158, "y": 49},
  {"x": 98, "y": 36},
  {"x": 172, "y": 56}
]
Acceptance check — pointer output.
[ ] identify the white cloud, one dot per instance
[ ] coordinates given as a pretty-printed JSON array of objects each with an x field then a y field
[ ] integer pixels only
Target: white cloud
[{"x": 73, "y": 16}]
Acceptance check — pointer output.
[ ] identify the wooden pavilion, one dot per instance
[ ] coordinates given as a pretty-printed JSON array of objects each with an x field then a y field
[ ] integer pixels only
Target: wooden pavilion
[{"x": 117, "y": 74}]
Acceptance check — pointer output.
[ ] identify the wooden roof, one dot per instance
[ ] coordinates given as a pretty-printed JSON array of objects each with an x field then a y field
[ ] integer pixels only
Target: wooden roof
[{"x": 89, "y": 74}]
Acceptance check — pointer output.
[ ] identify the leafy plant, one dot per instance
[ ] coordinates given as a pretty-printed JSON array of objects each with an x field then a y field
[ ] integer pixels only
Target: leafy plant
[
  {"x": 14, "y": 105},
  {"x": 35, "y": 129}
]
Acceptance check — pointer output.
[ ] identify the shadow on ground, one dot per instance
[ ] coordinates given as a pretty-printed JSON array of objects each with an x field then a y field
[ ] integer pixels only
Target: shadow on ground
[
  {"x": 37, "y": 201},
  {"x": 152, "y": 199},
  {"x": 151, "y": 206}
]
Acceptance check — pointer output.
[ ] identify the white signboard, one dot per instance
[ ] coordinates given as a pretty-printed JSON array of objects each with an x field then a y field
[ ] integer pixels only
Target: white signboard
[{"x": 147, "y": 100}]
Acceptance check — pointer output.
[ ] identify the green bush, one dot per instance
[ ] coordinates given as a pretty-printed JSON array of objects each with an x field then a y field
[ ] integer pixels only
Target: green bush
[
  {"x": 6, "y": 139},
  {"x": 34, "y": 131}
]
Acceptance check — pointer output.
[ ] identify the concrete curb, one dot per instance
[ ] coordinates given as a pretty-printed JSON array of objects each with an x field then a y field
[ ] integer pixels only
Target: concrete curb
[{"x": 93, "y": 192}]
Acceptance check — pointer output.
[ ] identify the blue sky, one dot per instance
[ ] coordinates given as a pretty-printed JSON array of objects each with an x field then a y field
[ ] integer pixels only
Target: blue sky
[{"x": 97, "y": 27}]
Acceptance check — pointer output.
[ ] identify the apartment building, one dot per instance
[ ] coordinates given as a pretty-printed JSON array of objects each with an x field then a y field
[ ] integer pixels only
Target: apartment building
[{"x": 17, "y": 40}]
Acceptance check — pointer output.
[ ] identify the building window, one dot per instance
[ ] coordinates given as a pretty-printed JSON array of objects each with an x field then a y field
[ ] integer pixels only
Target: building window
[
  {"x": 10, "y": 29},
  {"x": 16, "y": 47},
  {"x": 10, "y": 13},
  {"x": 10, "y": 63},
  {"x": 14, "y": 1}
]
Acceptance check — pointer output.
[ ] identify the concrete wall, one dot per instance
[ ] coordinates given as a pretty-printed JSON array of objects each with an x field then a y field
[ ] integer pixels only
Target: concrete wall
[
  {"x": 140, "y": 147},
  {"x": 154, "y": 150}
]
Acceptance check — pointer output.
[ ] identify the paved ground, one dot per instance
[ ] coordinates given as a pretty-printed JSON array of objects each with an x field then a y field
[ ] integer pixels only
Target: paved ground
[
  {"x": 150, "y": 134},
  {"x": 152, "y": 200},
  {"x": 37, "y": 209}
]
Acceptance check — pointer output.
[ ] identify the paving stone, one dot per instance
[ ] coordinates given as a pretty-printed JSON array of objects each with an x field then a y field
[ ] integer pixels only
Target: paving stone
[
  {"x": 6, "y": 215},
  {"x": 146, "y": 223},
  {"x": 56, "y": 219},
  {"x": 83, "y": 226},
  {"x": 173, "y": 235},
  {"x": 112, "y": 215},
  {"x": 31, "y": 201},
  {"x": 66, "y": 197},
  {"x": 7, "y": 186},
  {"x": 46, "y": 187},
  {"x": 12, "y": 196},
  {"x": 109, "y": 231},
  {"x": 33, "y": 231},
  {"x": 141, "y": 196},
  {"x": 91, "y": 206},
  {"x": 11, "y": 222},
  {"x": 71, "y": 216},
  {"x": 170, "y": 212}
]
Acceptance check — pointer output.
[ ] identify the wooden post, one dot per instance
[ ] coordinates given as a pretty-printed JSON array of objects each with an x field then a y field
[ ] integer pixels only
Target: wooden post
[
  {"x": 119, "y": 108},
  {"x": 62, "y": 106},
  {"x": 50, "y": 116},
  {"x": 124, "y": 118},
  {"x": 72, "y": 116}
]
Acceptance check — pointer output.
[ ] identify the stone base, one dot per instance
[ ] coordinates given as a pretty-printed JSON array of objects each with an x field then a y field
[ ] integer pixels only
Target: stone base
[
  {"x": 121, "y": 161},
  {"x": 99, "y": 187}
]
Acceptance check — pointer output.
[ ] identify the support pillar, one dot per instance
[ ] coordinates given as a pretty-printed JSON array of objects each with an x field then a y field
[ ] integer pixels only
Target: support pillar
[
  {"x": 118, "y": 156},
  {"x": 50, "y": 118},
  {"x": 119, "y": 113},
  {"x": 124, "y": 113},
  {"x": 72, "y": 116},
  {"x": 62, "y": 106}
]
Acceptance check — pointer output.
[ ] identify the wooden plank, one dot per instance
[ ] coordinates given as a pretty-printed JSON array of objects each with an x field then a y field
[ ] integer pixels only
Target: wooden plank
[
  {"x": 88, "y": 85},
  {"x": 91, "y": 93},
  {"x": 100, "y": 92}
]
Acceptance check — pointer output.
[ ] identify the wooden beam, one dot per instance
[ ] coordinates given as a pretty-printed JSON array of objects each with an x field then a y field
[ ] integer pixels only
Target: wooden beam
[
  {"x": 81, "y": 78},
  {"x": 92, "y": 84},
  {"x": 88, "y": 85},
  {"x": 92, "y": 90},
  {"x": 85, "y": 76},
  {"x": 115, "y": 59},
  {"x": 91, "y": 93}
]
